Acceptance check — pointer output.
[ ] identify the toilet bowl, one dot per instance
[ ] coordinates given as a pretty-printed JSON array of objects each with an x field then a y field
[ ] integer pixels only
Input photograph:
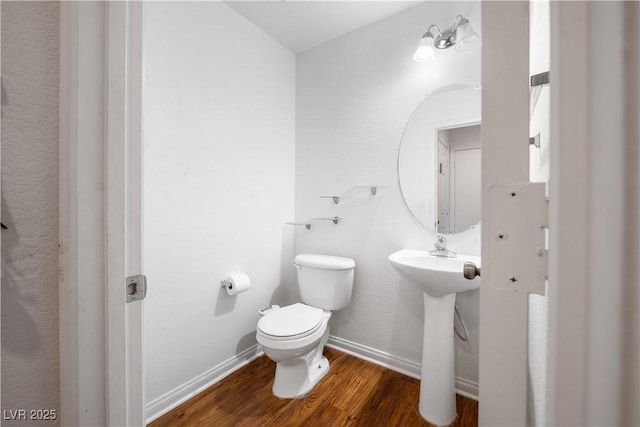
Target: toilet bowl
[{"x": 294, "y": 336}]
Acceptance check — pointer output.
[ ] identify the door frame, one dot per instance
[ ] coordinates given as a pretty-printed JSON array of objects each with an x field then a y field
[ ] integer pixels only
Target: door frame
[
  {"x": 101, "y": 369},
  {"x": 94, "y": 213},
  {"x": 124, "y": 169},
  {"x": 593, "y": 356}
]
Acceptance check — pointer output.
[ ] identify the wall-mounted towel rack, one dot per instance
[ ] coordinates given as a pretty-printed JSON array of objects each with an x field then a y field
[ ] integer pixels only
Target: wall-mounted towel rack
[
  {"x": 372, "y": 188},
  {"x": 308, "y": 222}
]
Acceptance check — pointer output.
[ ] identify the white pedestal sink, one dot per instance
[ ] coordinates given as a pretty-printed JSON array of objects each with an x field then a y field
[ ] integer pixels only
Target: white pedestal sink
[{"x": 439, "y": 278}]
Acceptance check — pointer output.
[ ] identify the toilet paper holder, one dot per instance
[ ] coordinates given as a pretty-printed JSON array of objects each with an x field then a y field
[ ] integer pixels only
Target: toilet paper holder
[{"x": 236, "y": 283}]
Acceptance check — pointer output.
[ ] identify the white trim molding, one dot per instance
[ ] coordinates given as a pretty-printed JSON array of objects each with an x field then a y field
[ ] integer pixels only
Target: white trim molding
[
  {"x": 467, "y": 388},
  {"x": 123, "y": 220},
  {"x": 403, "y": 366},
  {"x": 386, "y": 360},
  {"x": 81, "y": 211},
  {"x": 172, "y": 399},
  {"x": 93, "y": 121}
]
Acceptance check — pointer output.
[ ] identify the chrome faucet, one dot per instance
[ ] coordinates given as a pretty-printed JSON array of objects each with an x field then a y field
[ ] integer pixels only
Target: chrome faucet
[{"x": 441, "y": 248}]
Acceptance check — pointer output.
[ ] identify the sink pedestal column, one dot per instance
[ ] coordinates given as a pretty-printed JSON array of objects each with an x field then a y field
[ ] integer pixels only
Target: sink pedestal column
[{"x": 437, "y": 384}]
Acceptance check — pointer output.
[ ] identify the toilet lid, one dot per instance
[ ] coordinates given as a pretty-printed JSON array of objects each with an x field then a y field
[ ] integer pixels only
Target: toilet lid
[{"x": 292, "y": 320}]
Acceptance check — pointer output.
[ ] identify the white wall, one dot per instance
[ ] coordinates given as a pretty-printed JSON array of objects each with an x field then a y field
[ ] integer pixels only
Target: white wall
[
  {"x": 219, "y": 171},
  {"x": 30, "y": 36},
  {"x": 354, "y": 97}
]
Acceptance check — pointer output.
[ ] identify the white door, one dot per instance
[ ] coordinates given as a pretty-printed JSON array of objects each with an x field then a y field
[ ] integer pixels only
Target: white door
[
  {"x": 505, "y": 133},
  {"x": 443, "y": 189},
  {"x": 467, "y": 189}
]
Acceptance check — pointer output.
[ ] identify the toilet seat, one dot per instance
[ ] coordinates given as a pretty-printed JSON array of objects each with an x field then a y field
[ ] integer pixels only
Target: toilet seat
[{"x": 291, "y": 322}]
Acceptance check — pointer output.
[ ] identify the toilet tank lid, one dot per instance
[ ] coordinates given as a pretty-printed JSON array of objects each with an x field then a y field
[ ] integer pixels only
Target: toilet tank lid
[{"x": 328, "y": 262}]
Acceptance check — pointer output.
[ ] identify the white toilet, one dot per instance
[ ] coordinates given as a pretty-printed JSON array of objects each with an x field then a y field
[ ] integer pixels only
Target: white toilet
[{"x": 294, "y": 336}]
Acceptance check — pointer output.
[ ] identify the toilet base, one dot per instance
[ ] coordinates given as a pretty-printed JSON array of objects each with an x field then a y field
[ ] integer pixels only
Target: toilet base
[{"x": 298, "y": 378}]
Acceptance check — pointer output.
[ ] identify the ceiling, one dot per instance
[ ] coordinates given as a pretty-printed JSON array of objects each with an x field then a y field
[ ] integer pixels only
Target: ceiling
[{"x": 301, "y": 25}]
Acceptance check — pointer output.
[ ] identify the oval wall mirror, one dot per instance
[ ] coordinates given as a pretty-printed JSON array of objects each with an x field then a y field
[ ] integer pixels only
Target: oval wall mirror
[{"x": 439, "y": 160}]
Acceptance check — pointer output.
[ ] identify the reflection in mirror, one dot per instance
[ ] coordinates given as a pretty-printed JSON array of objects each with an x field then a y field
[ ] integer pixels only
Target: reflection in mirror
[
  {"x": 439, "y": 160},
  {"x": 458, "y": 176}
]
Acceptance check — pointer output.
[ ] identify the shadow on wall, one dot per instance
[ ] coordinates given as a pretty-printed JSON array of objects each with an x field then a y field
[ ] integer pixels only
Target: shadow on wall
[
  {"x": 353, "y": 237},
  {"x": 408, "y": 328},
  {"x": 286, "y": 292},
  {"x": 19, "y": 331},
  {"x": 225, "y": 303},
  {"x": 246, "y": 342}
]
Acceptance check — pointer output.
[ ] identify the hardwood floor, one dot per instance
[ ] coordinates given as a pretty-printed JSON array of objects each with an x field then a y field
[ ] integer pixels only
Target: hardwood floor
[{"x": 354, "y": 393}]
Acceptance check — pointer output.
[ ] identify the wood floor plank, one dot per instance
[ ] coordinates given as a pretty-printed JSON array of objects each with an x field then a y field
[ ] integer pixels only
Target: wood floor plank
[{"x": 354, "y": 393}]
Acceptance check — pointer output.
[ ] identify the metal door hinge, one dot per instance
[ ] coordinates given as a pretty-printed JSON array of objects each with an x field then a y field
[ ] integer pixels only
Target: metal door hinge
[
  {"x": 136, "y": 287},
  {"x": 517, "y": 225}
]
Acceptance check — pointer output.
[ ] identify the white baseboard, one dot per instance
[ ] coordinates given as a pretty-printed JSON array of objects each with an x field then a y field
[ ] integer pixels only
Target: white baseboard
[
  {"x": 163, "y": 404},
  {"x": 184, "y": 392},
  {"x": 412, "y": 369},
  {"x": 377, "y": 357},
  {"x": 467, "y": 388}
]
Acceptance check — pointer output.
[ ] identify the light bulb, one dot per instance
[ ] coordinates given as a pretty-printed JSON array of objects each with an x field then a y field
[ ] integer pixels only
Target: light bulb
[
  {"x": 466, "y": 37},
  {"x": 425, "y": 51}
]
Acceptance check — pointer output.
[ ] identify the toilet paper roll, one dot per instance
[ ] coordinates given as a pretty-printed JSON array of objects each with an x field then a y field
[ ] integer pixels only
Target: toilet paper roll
[{"x": 238, "y": 282}]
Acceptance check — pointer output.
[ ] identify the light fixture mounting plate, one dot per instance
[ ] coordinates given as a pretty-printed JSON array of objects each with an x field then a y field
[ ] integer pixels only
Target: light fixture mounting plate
[{"x": 446, "y": 39}]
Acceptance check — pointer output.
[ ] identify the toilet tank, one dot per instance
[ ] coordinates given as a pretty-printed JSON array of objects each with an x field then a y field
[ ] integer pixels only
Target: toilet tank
[{"x": 325, "y": 281}]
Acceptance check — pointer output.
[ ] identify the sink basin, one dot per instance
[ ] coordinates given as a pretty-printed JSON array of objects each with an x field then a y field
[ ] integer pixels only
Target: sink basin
[
  {"x": 439, "y": 278},
  {"x": 436, "y": 276}
]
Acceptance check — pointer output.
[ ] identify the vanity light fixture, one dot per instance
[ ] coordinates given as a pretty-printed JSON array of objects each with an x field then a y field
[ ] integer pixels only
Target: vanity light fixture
[{"x": 461, "y": 35}]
